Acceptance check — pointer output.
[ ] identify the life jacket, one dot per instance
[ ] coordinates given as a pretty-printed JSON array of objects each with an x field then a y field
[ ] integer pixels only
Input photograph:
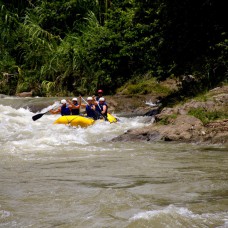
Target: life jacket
[
  {"x": 75, "y": 111},
  {"x": 100, "y": 108},
  {"x": 97, "y": 98},
  {"x": 90, "y": 112},
  {"x": 65, "y": 111},
  {"x": 97, "y": 106}
]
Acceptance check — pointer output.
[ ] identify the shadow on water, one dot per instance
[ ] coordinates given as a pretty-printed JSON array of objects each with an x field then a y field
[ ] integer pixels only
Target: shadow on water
[
  {"x": 113, "y": 185},
  {"x": 126, "y": 183},
  {"x": 213, "y": 149}
]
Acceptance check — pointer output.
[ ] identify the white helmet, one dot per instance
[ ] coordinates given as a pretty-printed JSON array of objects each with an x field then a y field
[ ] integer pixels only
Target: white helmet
[
  {"x": 89, "y": 98},
  {"x": 74, "y": 99},
  {"x": 102, "y": 99},
  {"x": 63, "y": 101}
]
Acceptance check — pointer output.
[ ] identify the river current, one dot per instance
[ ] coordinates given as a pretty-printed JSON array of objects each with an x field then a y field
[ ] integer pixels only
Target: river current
[{"x": 59, "y": 176}]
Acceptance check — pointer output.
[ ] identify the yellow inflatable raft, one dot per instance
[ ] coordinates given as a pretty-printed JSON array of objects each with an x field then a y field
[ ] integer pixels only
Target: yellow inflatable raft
[
  {"x": 82, "y": 121},
  {"x": 75, "y": 121}
]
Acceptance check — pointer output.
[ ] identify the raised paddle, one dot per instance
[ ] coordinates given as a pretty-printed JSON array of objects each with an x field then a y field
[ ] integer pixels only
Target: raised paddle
[{"x": 39, "y": 115}]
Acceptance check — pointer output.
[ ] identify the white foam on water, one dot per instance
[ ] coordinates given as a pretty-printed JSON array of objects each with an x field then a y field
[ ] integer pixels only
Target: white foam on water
[
  {"x": 182, "y": 214},
  {"x": 19, "y": 134},
  {"x": 54, "y": 106},
  {"x": 4, "y": 214},
  {"x": 150, "y": 103}
]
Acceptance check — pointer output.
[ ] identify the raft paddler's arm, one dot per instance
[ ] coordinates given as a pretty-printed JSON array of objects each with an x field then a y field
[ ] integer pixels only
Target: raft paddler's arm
[
  {"x": 83, "y": 105},
  {"x": 55, "y": 111},
  {"x": 104, "y": 109},
  {"x": 94, "y": 100},
  {"x": 76, "y": 106},
  {"x": 93, "y": 107},
  {"x": 71, "y": 105}
]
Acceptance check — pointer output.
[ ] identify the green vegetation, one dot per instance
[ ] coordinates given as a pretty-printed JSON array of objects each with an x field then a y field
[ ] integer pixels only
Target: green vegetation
[
  {"x": 67, "y": 47},
  {"x": 144, "y": 86},
  {"x": 207, "y": 116},
  {"x": 167, "y": 119}
]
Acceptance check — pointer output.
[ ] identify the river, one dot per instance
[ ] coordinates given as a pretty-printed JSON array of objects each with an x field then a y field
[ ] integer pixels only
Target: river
[{"x": 59, "y": 176}]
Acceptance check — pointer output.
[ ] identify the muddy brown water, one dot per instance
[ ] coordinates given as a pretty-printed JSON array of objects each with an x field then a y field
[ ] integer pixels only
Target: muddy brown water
[{"x": 59, "y": 176}]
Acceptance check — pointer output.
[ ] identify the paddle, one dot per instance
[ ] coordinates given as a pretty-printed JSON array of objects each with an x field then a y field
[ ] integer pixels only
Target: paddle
[
  {"x": 39, "y": 115},
  {"x": 105, "y": 117}
]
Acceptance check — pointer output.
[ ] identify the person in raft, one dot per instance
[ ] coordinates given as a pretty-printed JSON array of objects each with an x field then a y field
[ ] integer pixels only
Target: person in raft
[
  {"x": 96, "y": 99},
  {"x": 90, "y": 109},
  {"x": 99, "y": 94},
  {"x": 75, "y": 106},
  {"x": 102, "y": 108},
  {"x": 64, "y": 109}
]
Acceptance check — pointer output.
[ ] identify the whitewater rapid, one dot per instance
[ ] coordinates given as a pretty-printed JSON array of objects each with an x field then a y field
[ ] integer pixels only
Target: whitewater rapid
[{"x": 20, "y": 133}]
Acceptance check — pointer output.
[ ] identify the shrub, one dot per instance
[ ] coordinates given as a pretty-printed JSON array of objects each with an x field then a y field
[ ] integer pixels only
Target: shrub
[
  {"x": 207, "y": 116},
  {"x": 144, "y": 86}
]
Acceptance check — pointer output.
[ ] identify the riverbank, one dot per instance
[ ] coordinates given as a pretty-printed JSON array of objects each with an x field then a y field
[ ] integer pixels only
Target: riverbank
[{"x": 203, "y": 119}]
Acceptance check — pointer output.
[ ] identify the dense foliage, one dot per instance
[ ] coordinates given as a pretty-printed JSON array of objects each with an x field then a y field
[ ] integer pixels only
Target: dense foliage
[{"x": 76, "y": 46}]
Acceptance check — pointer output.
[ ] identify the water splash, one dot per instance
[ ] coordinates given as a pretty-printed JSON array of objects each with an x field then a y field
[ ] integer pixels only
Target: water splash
[
  {"x": 50, "y": 107},
  {"x": 17, "y": 127},
  {"x": 151, "y": 104},
  {"x": 174, "y": 216}
]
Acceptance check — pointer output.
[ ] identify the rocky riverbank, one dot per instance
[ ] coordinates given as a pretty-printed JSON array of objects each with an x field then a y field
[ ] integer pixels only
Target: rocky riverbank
[{"x": 200, "y": 120}]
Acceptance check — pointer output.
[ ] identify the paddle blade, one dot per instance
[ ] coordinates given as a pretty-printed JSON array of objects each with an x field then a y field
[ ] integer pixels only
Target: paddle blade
[
  {"x": 37, "y": 116},
  {"x": 111, "y": 118}
]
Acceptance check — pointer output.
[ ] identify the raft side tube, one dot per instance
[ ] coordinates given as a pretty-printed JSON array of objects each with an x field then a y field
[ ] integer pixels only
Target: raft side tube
[{"x": 75, "y": 120}]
